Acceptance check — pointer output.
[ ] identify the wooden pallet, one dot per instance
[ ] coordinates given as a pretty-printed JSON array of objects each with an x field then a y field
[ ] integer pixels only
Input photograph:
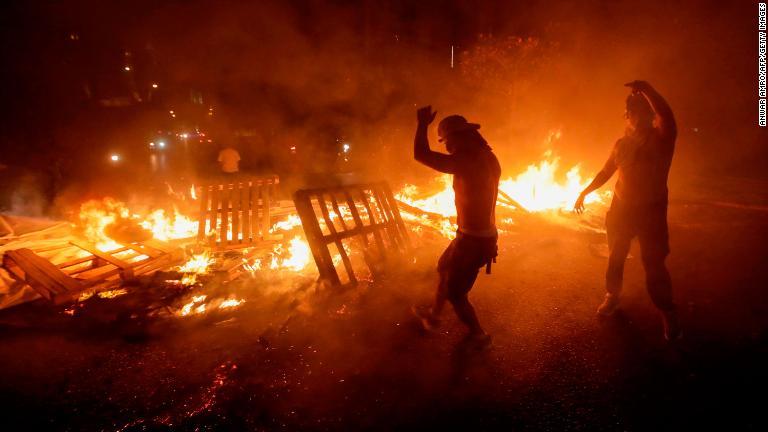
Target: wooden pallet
[
  {"x": 365, "y": 213},
  {"x": 94, "y": 270},
  {"x": 236, "y": 215}
]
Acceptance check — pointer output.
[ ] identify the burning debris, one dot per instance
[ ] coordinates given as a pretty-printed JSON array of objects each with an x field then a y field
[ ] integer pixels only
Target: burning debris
[{"x": 243, "y": 230}]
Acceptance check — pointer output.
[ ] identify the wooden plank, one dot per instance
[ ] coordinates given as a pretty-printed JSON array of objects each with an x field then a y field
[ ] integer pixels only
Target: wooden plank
[
  {"x": 226, "y": 214},
  {"x": 392, "y": 227},
  {"x": 245, "y": 200},
  {"x": 396, "y": 213},
  {"x": 144, "y": 250},
  {"x": 337, "y": 240},
  {"x": 322, "y": 257},
  {"x": 337, "y": 210},
  {"x": 214, "y": 213},
  {"x": 42, "y": 271},
  {"x": 126, "y": 268},
  {"x": 255, "y": 210},
  {"x": 385, "y": 217},
  {"x": 371, "y": 216},
  {"x": 63, "y": 283},
  {"x": 360, "y": 228},
  {"x": 237, "y": 208},
  {"x": 204, "y": 210},
  {"x": 265, "y": 198}
]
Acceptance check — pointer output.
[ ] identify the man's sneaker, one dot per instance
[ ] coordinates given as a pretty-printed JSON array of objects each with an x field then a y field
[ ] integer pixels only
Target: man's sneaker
[
  {"x": 672, "y": 329},
  {"x": 609, "y": 306},
  {"x": 428, "y": 320}
]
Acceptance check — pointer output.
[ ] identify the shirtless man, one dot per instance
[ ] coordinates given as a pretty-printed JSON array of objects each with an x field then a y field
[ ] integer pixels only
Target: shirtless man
[{"x": 476, "y": 173}]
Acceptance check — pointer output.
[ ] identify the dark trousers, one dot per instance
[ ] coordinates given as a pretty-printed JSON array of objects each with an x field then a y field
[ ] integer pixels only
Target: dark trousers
[
  {"x": 648, "y": 223},
  {"x": 458, "y": 267}
]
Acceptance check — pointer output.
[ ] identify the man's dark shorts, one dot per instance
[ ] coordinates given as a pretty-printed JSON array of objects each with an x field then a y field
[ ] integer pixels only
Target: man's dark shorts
[
  {"x": 462, "y": 259},
  {"x": 648, "y": 222}
]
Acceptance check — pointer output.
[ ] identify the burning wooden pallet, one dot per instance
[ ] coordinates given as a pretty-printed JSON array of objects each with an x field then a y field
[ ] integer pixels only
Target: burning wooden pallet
[
  {"x": 366, "y": 213},
  {"x": 236, "y": 215},
  {"x": 93, "y": 270}
]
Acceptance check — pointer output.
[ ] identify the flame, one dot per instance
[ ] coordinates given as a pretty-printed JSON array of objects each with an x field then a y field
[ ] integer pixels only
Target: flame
[
  {"x": 296, "y": 258},
  {"x": 168, "y": 228},
  {"x": 96, "y": 215},
  {"x": 198, "y": 264},
  {"x": 537, "y": 189},
  {"x": 187, "y": 308},
  {"x": 112, "y": 293},
  {"x": 230, "y": 303},
  {"x": 197, "y": 305},
  {"x": 441, "y": 203},
  {"x": 193, "y": 192},
  {"x": 288, "y": 224}
]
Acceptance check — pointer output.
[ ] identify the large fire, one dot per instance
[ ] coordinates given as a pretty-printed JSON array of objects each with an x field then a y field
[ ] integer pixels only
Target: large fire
[
  {"x": 96, "y": 217},
  {"x": 540, "y": 188}
]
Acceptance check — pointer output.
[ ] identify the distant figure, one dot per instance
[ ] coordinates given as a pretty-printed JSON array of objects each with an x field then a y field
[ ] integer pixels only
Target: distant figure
[
  {"x": 642, "y": 158},
  {"x": 229, "y": 160},
  {"x": 476, "y": 173}
]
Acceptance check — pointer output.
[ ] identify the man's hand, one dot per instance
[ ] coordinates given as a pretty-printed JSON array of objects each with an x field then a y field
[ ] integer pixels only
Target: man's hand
[
  {"x": 578, "y": 206},
  {"x": 638, "y": 86},
  {"x": 425, "y": 116}
]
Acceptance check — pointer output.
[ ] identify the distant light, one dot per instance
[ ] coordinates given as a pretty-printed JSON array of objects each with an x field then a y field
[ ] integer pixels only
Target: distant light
[
  {"x": 173, "y": 115},
  {"x": 127, "y": 68},
  {"x": 184, "y": 135},
  {"x": 170, "y": 112},
  {"x": 114, "y": 157},
  {"x": 154, "y": 85},
  {"x": 346, "y": 148},
  {"x": 152, "y": 144},
  {"x": 161, "y": 144}
]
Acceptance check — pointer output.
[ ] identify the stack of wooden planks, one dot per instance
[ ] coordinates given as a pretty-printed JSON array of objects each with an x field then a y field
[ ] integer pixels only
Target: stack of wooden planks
[{"x": 93, "y": 269}]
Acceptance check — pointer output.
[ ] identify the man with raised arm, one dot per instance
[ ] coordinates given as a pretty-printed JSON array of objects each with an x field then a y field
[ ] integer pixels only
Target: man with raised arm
[
  {"x": 476, "y": 173},
  {"x": 642, "y": 158}
]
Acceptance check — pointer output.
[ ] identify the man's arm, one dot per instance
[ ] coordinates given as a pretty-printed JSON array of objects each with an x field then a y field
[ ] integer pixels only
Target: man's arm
[
  {"x": 421, "y": 151},
  {"x": 600, "y": 179},
  {"x": 667, "y": 124}
]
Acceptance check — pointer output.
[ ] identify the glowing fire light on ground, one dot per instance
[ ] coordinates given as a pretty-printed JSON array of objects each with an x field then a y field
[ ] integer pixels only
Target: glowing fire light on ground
[{"x": 198, "y": 305}]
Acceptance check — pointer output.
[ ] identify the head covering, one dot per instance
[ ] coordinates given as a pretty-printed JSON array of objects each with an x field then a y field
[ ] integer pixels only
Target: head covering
[
  {"x": 454, "y": 123},
  {"x": 638, "y": 104}
]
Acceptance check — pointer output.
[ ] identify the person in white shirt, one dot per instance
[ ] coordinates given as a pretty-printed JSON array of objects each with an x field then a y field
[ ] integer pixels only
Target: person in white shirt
[{"x": 229, "y": 160}]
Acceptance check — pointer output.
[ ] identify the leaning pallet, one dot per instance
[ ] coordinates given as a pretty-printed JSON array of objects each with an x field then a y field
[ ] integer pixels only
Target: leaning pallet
[
  {"x": 364, "y": 214},
  {"x": 93, "y": 270}
]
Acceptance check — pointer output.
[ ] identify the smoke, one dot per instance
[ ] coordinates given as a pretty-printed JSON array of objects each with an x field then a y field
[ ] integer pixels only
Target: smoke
[
  {"x": 307, "y": 73},
  {"x": 297, "y": 79}
]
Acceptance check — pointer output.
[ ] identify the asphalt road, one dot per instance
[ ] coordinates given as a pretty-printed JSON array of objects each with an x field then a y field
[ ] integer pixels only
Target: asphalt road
[{"x": 294, "y": 358}]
